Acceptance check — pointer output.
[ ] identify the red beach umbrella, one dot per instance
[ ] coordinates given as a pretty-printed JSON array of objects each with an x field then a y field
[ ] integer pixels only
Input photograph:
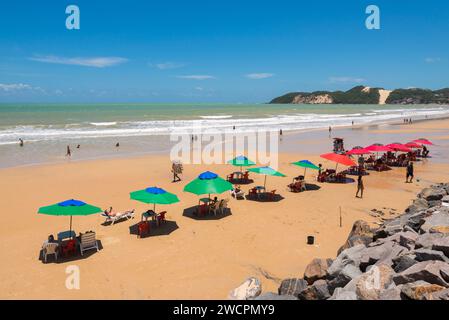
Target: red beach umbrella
[
  {"x": 423, "y": 141},
  {"x": 413, "y": 145},
  {"x": 378, "y": 148},
  {"x": 399, "y": 147},
  {"x": 358, "y": 152},
  {"x": 339, "y": 159}
]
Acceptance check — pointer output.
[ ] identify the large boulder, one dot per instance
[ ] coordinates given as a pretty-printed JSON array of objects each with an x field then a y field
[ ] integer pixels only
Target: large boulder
[
  {"x": 432, "y": 193},
  {"x": 439, "y": 218},
  {"x": 317, "y": 269},
  {"x": 407, "y": 239},
  {"x": 393, "y": 292},
  {"x": 346, "y": 275},
  {"x": 361, "y": 233},
  {"x": 249, "y": 289},
  {"x": 420, "y": 290},
  {"x": 442, "y": 245},
  {"x": 381, "y": 254},
  {"x": 434, "y": 272},
  {"x": 418, "y": 205},
  {"x": 427, "y": 254},
  {"x": 370, "y": 284},
  {"x": 292, "y": 287},
  {"x": 404, "y": 261},
  {"x": 319, "y": 290},
  {"x": 349, "y": 256},
  {"x": 427, "y": 240},
  {"x": 274, "y": 296},
  {"x": 439, "y": 295}
]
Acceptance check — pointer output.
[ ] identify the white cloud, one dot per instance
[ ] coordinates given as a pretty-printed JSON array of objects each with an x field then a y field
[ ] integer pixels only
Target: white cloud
[
  {"x": 199, "y": 88},
  {"x": 257, "y": 76},
  {"x": 196, "y": 77},
  {"x": 167, "y": 65},
  {"x": 432, "y": 60},
  {"x": 346, "y": 80},
  {"x": 96, "y": 62},
  {"x": 12, "y": 88}
]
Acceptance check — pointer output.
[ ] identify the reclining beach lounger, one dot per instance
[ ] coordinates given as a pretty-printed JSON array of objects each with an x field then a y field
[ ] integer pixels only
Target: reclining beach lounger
[{"x": 119, "y": 216}]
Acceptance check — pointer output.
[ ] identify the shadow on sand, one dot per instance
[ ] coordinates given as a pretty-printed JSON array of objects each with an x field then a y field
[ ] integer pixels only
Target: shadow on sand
[
  {"x": 192, "y": 214},
  {"x": 71, "y": 258},
  {"x": 164, "y": 229}
]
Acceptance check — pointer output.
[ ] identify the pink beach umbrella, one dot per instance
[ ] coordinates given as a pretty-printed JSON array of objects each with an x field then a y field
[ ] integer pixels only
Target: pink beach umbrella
[
  {"x": 361, "y": 151},
  {"x": 378, "y": 148},
  {"x": 413, "y": 145},
  {"x": 399, "y": 147},
  {"x": 423, "y": 141}
]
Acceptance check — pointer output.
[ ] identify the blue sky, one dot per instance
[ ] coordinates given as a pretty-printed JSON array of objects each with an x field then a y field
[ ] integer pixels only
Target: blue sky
[{"x": 216, "y": 51}]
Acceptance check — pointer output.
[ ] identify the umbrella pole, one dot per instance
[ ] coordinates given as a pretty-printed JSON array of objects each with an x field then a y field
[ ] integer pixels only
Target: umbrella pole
[
  {"x": 265, "y": 181},
  {"x": 154, "y": 207}
]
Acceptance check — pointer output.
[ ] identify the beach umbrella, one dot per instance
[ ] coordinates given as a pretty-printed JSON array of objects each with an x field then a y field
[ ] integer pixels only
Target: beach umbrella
[
  {"x": 423, "y": 141},
  {"x": 413, "y": 145},
  {"x": 69, "y": 208},
  {"x": 155, "y": 196},
  {"x": 267, "y": 171},
  {"x": 399, "y": 147},
  {"x": 306, "y": 164},
  {"x": 208, "y": 183},
  {"x": 378, "y": 148},
  {"x": 358, "y": 151},
  {"x": 339, "y": 159},
  {"x": 241, "y": 161}
]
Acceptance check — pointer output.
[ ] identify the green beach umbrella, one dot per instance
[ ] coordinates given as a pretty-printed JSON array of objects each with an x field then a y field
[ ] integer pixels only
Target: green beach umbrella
[
  {"x": 241, "y": 161},
  {"x": 208, "y": 183},
  {"x": 267, "y": 171},
  {"x": 306, "y": 164},
  {"x": 69, "y": 208},
  {"x": 155, "y": 196}
]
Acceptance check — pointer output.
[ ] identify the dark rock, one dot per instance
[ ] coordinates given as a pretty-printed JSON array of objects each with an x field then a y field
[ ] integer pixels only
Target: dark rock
[
  {"x": 427, "y": 254},
  {"x": 348, "y": 273},
  {"x": 430, "y": 271},
  {"x": 317, "y": 291},
  {"x": 404, "y": 262},
  {"x": 274, "y": 296},
  {"x": 292, "y": 287},
  {"x": 407, "y": 239},
  {"x": 417, "y": 206},
  {"x": 442, "y": 245},
  {"x": 432, "y": 193},
  {"x": 349, "y": 256},
  {"x": 391, "y": 293},
  {"x": 382, "y": 254},
  {"x": 361, "y": 233},
  {"x": 317, "y": 269},
  {"x": 420, "y": 290}
]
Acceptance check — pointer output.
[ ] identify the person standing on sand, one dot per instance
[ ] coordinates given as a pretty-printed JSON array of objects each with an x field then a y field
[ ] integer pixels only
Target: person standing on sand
[
  {"x": 69, "y": 152},
  {"x": 21, "y": 142},
  {"x": 330, "y": 131},
  {"x": 410, "y": 173},
  {"x": 360, "y": 186},
  {"x": 117, "y": 145}
]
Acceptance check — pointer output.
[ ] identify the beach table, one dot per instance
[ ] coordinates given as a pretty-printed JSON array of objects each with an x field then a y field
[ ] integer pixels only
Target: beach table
[
  {"x": 149, "y": 214},
  {"x": 66, "y": 235}
]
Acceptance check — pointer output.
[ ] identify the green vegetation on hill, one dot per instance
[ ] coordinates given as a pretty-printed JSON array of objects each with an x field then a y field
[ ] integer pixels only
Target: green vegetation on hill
[
  {"x": 358, "y": 95},
  {"x": 355, "y": 95}
]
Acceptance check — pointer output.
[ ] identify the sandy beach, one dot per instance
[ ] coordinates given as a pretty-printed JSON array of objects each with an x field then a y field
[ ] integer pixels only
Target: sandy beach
[{"x": 190, "y": 258}]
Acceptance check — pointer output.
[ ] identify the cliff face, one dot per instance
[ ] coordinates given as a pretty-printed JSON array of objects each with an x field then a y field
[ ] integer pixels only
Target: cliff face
[
  {"x": 367, "y": 95},
  {"x": 313, "y": 99}
]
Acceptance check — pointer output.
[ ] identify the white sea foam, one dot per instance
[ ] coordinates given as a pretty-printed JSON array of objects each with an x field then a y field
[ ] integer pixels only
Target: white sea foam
[{"x": 210, "y": 124}]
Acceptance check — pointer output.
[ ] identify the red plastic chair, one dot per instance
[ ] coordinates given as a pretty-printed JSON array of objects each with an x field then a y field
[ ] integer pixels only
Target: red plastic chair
[
  {"x": 246, "y": 176},
  {"x": 161, "y": 217},
  {"x": 69, "y": 248},
  {"x": 143, "y": 228},
  {"x": 252, "y": 192},
  {"x": 230, "y": 177}
]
